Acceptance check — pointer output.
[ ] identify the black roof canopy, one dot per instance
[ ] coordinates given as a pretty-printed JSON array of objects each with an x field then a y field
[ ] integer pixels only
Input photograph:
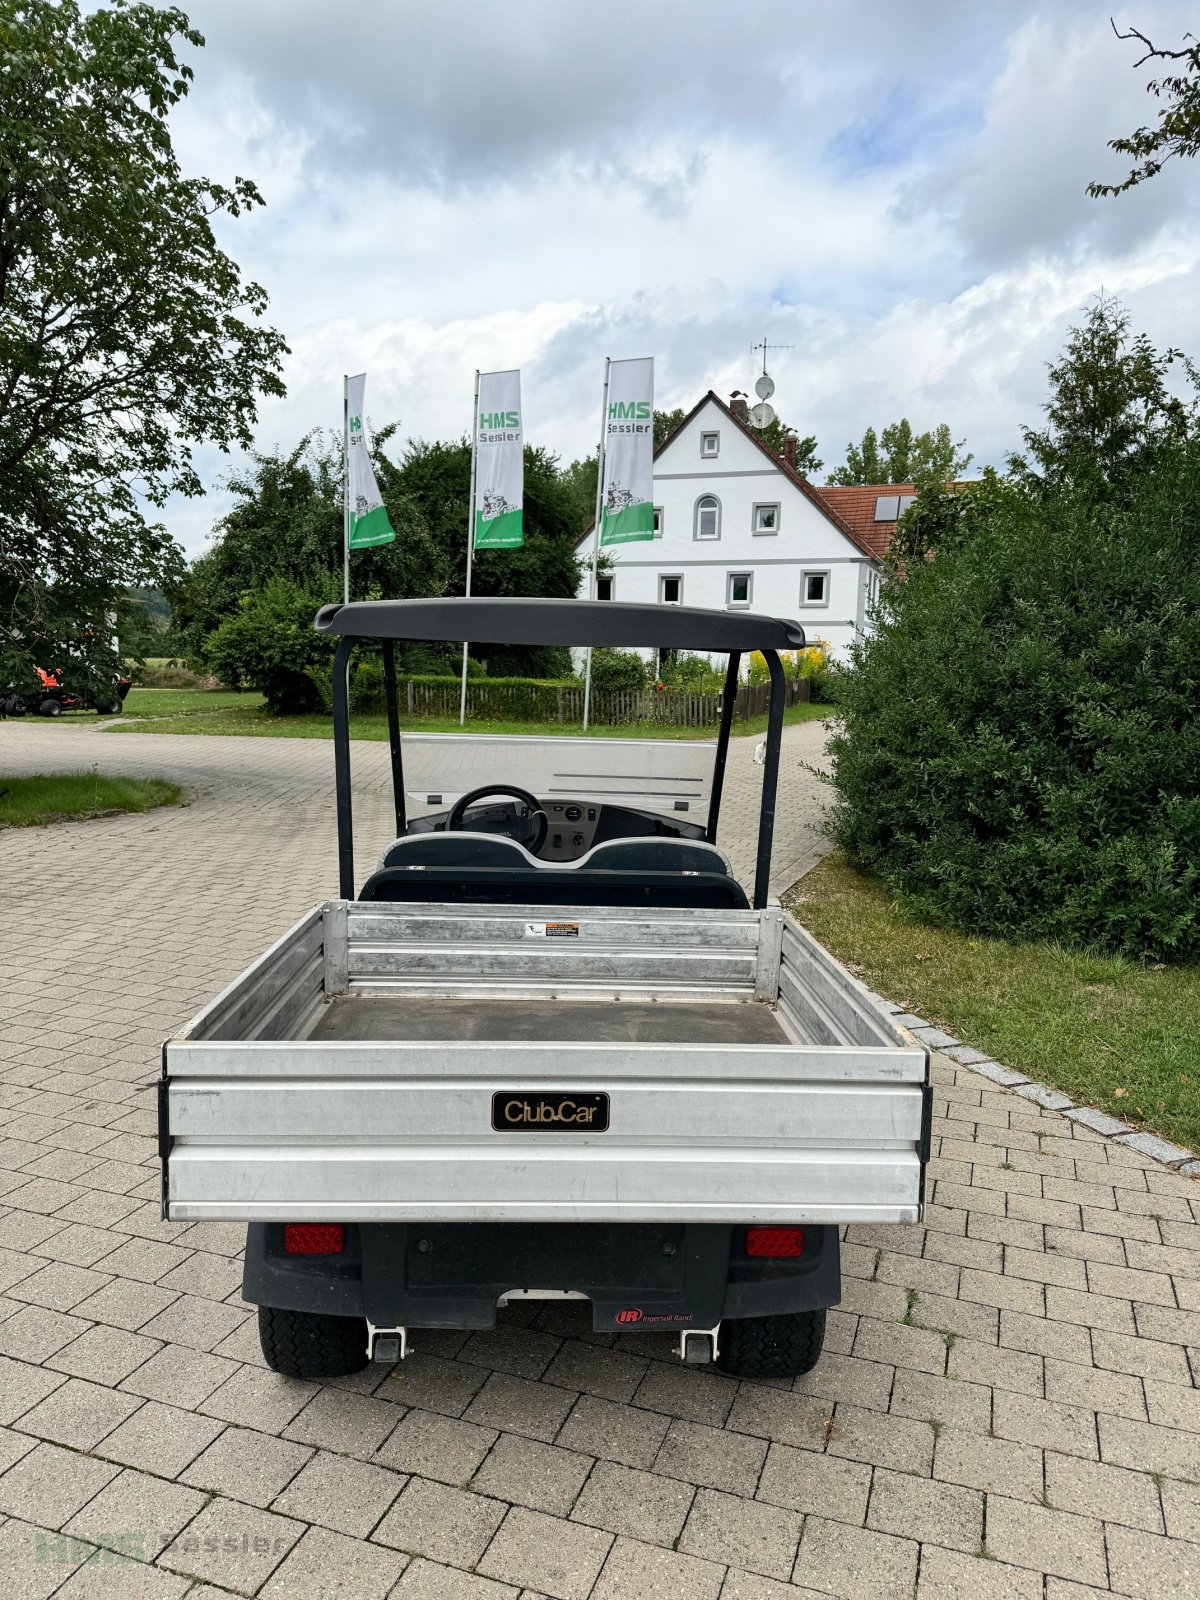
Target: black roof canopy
[{"x": 598, "y": 623}]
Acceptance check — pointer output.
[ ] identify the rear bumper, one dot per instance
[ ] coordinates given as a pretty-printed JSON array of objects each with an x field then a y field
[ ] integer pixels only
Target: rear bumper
[{"x": 638, "y": 1277}]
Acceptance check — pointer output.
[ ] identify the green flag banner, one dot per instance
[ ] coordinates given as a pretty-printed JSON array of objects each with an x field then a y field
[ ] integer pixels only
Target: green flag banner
[
  {"x": 369, "y": 525},
  {"x": 627, "y": 506},
  {"x": 499, "y": 463}
]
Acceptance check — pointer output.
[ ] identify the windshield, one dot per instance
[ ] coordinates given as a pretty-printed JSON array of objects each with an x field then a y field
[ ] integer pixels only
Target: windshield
[{"x": 671, "y": 777}]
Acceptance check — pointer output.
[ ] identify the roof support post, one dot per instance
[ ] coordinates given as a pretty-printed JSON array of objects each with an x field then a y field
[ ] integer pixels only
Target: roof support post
[
  {"x": 728, "y": 701},
  {"x": 393, "y": 718},
  {"x": 770, "y": 784},
  {"x": 341, "y": 766}
]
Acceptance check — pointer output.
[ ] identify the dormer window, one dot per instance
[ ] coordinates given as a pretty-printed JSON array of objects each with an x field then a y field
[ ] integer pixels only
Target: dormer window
[{"x": 710, "y": 445}]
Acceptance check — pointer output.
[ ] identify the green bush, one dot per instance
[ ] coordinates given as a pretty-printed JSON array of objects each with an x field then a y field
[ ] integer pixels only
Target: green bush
[
  {"x": 1019, "y": 751},
  {"x": 501, "y": 699},
  {"x": 825, "y": 683},
  {"x": 269, "y": 645},
  {"x": 694, "y": 673},
  {"x": 547, "y": 661},
  {"x": 618, "y": 671}
]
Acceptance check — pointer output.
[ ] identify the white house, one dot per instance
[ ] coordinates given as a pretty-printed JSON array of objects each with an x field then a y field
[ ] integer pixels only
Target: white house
[{"x": 737, "y": 526}]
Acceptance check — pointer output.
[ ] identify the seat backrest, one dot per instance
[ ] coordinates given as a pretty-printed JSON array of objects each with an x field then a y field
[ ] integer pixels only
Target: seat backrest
[
  {"x": 655, "y": 855},
  {"x": 555, "y": 886},
  {"x": 458, "y": 848}
]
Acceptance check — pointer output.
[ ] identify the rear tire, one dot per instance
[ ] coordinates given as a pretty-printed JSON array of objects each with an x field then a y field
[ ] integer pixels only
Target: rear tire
[
  {"x": 772, "y": 1347},
  {"x": 50, "y": 708},
  {"x": 308, "y": 1344}
]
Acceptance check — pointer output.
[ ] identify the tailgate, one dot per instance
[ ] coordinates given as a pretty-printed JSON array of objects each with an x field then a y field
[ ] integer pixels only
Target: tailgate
[{"x": 511, "y": 1131}]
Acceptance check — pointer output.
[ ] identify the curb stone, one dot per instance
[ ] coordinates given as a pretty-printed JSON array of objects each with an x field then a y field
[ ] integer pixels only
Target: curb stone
[{"x": 1042, "y": 1094}]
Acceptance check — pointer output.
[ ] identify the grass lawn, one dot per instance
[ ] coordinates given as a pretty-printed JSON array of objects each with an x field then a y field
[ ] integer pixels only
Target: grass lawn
[
  {"x": 77, "y": 796},
  {"x": 219, "y": 711},
  {"x": 187, "y": 702},
  {"x": 1106, "y": 1031}
]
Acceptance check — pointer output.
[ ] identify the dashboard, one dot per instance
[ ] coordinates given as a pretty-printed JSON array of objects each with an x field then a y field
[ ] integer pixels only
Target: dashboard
[{"x": 574, "y": 826}]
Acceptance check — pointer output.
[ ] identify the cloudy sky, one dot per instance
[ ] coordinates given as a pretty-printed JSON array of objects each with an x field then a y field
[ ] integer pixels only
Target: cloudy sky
[{"x": 895, "y": 188}]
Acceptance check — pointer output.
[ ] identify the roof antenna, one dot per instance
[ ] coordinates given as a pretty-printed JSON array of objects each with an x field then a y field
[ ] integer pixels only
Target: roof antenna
[{"x": 763, "y": 415}]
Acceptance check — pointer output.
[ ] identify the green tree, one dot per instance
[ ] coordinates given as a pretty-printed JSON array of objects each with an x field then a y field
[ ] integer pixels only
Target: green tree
[
  {"x": 665, "y": 423},
  {"x": 437, "y": 478},
  {"x": 286, "y": 523},
  {"x": 901, "y": 456},
  {"x": 808, "y": 463},
  {"x": 579, "y": 480},
  {"x": 1020, "y": 736},
  {"x": 943, "y": 517},
  {"x": 1109, "y": 400},
  {"x": 127, "y": 337},
  {"x": 1177, "y": 130}
]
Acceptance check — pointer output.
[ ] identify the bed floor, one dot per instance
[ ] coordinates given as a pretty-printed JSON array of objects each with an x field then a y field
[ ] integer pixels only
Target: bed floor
[{"x": 383, "y": 1017}]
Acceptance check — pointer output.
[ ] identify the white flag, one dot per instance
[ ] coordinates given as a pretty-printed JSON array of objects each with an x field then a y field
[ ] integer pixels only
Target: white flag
[
  {"x": 369, "y": 523},
  {"x": 627, "y": 507},
  {"x": 499, "y": 463}
]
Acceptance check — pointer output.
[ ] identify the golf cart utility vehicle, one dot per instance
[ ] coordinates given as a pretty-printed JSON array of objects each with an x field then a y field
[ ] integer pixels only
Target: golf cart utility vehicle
[{"x": 548, "y": 1048}]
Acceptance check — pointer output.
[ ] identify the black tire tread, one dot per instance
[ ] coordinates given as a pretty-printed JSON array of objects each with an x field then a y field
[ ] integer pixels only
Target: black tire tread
[
  {"x": 784, "y": 1346},
  {"x": 308, "y": 1344}
]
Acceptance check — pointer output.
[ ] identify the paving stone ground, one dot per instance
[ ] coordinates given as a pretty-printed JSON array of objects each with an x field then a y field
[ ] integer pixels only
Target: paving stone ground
[{"x": 1006, "y": 1410}]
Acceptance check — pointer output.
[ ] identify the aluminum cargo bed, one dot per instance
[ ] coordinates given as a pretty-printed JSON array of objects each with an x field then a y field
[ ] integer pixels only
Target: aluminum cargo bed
[{"x": 392, "y": 1062}]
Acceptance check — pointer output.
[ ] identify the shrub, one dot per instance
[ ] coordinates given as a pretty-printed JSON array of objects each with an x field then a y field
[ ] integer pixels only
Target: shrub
[
  {"x": 695, "y": 673},
  {"x": 823, "y": 673},
  {"x": 269, "y": 645},
  {"x": 173, "y": 676},
  {"x": 618, "y": 671},
  {"x": 1019, "y": 752},
  {"x": 549, "y": 661}
]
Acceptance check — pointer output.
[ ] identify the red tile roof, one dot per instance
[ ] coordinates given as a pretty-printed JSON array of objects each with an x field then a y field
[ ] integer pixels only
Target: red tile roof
[{"x": 856, "y": 508}]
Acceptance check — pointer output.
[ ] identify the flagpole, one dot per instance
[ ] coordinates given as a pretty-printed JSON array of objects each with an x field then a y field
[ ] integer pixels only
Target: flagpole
[
  {"x": 346, "y": 488},
  {"x": 587, "y": 668},
  {"x": 462, "y": 704}
]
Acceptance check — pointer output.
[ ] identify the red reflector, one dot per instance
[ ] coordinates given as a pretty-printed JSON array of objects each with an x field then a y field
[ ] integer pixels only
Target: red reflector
[
  {"x": 775, "y": 1242},
  {"x": 314, "y": 1238}
]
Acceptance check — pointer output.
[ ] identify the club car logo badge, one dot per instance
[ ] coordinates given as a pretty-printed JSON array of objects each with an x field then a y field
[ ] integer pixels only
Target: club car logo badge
[{"x": 549, "y": 1111}]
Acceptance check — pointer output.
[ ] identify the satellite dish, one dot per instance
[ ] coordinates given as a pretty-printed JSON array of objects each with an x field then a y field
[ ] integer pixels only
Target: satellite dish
[
  {"x": 764, "y": 387},
  {"x": 762, "y": 416}
]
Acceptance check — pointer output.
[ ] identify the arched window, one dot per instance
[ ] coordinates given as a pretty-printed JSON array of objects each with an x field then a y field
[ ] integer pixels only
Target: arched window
[{"x": 708, "y": 517}]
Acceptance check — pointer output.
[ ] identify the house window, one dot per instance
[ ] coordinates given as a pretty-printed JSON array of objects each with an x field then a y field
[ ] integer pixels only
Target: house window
[
  {"x": 710, "y": 445},
  {"x": 738, "y": 588},
  {"x": 766, "y": 519},
  {"x": 708, "y": 517},
  {"x": 814, "y": 589},
  {"x": 887, "y": 507},
  {"x": 670, "y": 590},
  {"x": 604, "y": 587},
  {"x": 658, "y": 522}
]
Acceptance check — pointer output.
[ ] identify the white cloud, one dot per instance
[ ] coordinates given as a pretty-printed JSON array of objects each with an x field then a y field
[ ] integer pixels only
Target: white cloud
[{"x": 900, "y": 197}]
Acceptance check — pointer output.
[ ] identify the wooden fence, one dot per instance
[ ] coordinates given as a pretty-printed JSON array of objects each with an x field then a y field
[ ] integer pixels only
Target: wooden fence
[{"x": 522, "y": 702}]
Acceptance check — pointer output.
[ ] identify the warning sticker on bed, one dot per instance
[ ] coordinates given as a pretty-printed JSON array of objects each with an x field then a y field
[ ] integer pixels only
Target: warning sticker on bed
[{"x": 552, "y": 930}]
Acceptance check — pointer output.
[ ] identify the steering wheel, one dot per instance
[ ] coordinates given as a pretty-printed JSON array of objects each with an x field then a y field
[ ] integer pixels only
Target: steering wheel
[{"x": 537, "y": 817}]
